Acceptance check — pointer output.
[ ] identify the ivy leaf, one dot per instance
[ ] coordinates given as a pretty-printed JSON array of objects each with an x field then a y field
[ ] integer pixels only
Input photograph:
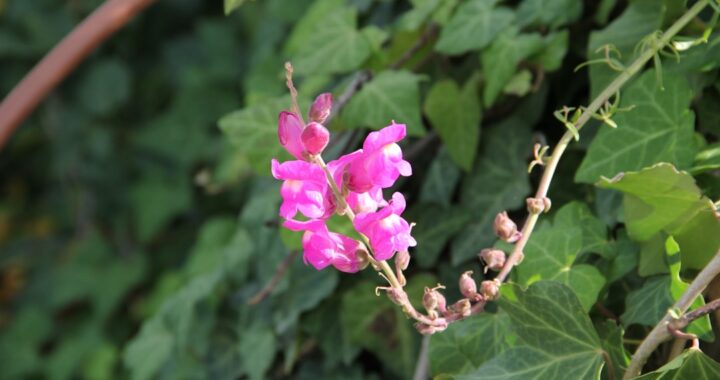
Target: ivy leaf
[
  {"x": 455, "y": 116},
  {"x": 550, "y": 254},
  {"x": 257, "y": 350},
  {"x": 691, "y": 364},
  {"x": 334, "y": 46},
  {"x": 594, "y": 232},
  {"x": 647, "y": 305},
  {"x": 706, "y": 160},
  {"x": 558, "y": 335},
  {"x": 435, "y": 225},
  {"x": 552, "y": 13},
  {"x": 391, "y": 95},
  {"x": 109, "y": 73},
  {"x": 611, "y": 335},
  {"x": 701, "y": 326},
  {"x": 473, "y": 26},
  {"x": 500, "y": 60},
  {"x": 253, "y": 132},
  {"x": 498, "y": 182},
  {"x": 465, "y": 346},
  {"x": 441, "y": 180},
  {"x": 659, "y": 128},
  {"x": 231, "y": 5},
  {"x": 660, "y": 198},
  {"x": 307, "y": 287}
]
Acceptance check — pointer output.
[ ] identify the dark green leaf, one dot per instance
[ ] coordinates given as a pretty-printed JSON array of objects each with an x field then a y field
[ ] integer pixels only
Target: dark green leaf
[
  {"x": 473, "y": 26},
  {"x": 691, "y": 364},
  {"x": 455, "y": 116},
  {"x": 391, "y": 95}
]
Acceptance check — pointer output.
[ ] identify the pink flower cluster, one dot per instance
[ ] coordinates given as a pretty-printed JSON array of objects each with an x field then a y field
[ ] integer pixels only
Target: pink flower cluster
[{"x": 360, "y": 176}]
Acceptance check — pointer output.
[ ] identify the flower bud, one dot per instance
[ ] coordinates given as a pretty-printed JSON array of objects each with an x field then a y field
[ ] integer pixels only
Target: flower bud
[
  {"x": 462, "y": 308},
  {"x": 468, "y": 287},
  {"x": 441, "y": 302},
  {"x": 439, "y": 324},
  {"x": 494, "y": 259},
  {"x": 396, "y": 295},
  {"x": 402, "y": 259},
  {"x": 505, "y": 228},
  {"x": 490, "y": 289},
  {"x": 430, "y": 300},
  {"x": 315, "y": 138},
  {"x": 321, "y": 107}
]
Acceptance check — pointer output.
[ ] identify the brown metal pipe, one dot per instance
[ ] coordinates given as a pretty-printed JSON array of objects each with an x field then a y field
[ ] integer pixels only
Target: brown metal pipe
[{"x": 62, "y": 59}]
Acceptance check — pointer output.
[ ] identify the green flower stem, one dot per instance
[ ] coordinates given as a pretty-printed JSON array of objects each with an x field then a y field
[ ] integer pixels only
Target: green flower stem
[{"x": 598, "y": 102}]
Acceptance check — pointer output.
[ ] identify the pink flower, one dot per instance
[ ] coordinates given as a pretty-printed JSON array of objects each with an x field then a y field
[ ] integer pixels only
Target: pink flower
[
  {"x": 321, "y": 107},
  {"x": 315, "y": 138},
  {"x": 304, "y": 189},
  {"x": 387, "y": 230},
  {"x": 322, "y": 248},
  {"x": 366, "y": 202},
  {"x": 290, "y": 128},
  {"x": 381, "y": 162}
]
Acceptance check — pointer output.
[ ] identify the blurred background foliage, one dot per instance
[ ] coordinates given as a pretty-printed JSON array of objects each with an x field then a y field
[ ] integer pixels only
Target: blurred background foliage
[{"x": 133, "y": 233}]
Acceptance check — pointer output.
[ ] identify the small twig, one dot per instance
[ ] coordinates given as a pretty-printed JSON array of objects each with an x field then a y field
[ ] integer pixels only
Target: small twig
[
  {"x": 270, "y": 286},
  {"x": 62, "y": 59},
  {"x": 605, "y": 311},
  {"x": 689, "y": 317},
  {"x": 422, "y": 366}
]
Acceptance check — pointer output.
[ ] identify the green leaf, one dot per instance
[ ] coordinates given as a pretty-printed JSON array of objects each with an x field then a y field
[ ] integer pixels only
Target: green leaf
[
  {"x": 473, "y": 26},
  {"x": 378, "y": 325},
  {"x": 660, "y": 198},
  {"x": 552, "y": 13},
  {"x": 253, "y": 132},
  {"x": 105, "y": 87},
  {"x": 498, "y": 182},
  {"x": 611, "y": 336},
  {"x": 334, "y": 46},
  {"x": 500, "y": 60},
  {"x": 231, "y": 5},
  {"x": 465, "y": 346},
  {"x": 701, "y": 326},
  {"x": 691, "y": 364},
  {"x": 145, "y": 355},
  {"x": 307, "y": 287},
  {"x": 707, "y": 160},
  {"x": 659, "y": 128},
  {"x": 647, "y": 305},
  {"x": 559, "y": 338},
  {"x": 257, "y": 350},
  {"x": 623, "y": 255},
  {"x": 391, "y": 95},
  {"x": 594, "y": 232},
  {"x": 441, "y": 180},
  {"x": 653, "y": 259},
  {"x": 435, "y": 226},
  {"x": 455, "y": 116},
  {"x": 550, "y": 255},
  {"x": 552, "y": 55}
]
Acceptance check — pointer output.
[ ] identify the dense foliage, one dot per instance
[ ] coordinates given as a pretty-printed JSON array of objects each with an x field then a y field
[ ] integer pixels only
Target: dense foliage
[{"x": 139, "y": 227}]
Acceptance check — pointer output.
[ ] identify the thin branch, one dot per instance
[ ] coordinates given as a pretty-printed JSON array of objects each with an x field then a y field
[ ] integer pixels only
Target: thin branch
[
  {"x": 594, "y": 106},
  {"x": 686, "y": 319},
  {"x": 270, "y": 286},
  {"x": 62, "y": 59},
  {"x": 660, "y": 332}
]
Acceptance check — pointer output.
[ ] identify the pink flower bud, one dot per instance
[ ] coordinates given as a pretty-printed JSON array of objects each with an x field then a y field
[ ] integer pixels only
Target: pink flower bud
[
  {"x": 441, "y": 302},
  {"x": 505, "y": 228},
  {"x": 468, "y": 287},
  {"x": 321, "y": 108},
  {"x": 439, "y": 324},
  {"x": 494, "y": 259},
  {"x": 462, "y": 308},
  {"x": 315, "y": 138},
  {"x": 490, "y": 289},
  {"x": 402, "y": 260},
  {"x": 430, "y": 300}
]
